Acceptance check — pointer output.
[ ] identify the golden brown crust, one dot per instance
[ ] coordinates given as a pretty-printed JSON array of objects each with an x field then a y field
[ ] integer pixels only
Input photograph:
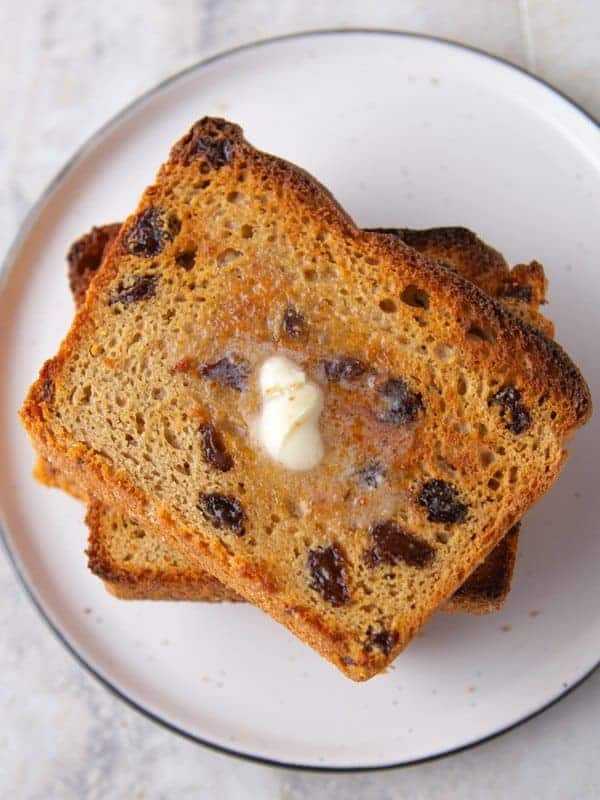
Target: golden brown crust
[
  {"x": 467, "y": 317},
  {"x": 487, "y": 588},
  {"x": 85, "y": 256},
  {"x": 48, "y": 475},
  {"x": 458, "y": 249},
  {"x": 521, "y": 289}
]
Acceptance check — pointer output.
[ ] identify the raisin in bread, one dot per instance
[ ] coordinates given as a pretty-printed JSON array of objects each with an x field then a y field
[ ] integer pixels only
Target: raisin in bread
[
  {"x": 137, "y": 565},
  {"x": 458, "y": 409}
]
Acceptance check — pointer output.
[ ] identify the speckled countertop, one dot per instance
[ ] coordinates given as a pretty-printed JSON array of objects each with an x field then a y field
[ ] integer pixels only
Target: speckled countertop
[{"x": 62, "y": 735}]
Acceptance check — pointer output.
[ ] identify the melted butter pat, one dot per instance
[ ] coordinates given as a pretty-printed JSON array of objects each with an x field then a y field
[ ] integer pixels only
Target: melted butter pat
[{"x": 288, "y": 427}]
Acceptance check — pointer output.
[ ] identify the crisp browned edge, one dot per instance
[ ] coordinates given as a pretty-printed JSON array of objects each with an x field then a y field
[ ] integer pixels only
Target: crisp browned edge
[
  {"x": 137, "y": 583},
  {"x": 556, "y": 374},
  {"x": 489, "y": 588},
  {"x": 131, "y": 583}
]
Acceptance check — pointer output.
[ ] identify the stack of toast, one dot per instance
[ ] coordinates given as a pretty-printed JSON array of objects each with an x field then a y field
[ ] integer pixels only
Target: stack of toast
[{"x": 444, "y": 404}]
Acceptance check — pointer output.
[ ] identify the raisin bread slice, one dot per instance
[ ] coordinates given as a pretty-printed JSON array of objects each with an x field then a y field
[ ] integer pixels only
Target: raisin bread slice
[
  {"x": 137, "y": 565},
  {"x": 234, "y": 255}
]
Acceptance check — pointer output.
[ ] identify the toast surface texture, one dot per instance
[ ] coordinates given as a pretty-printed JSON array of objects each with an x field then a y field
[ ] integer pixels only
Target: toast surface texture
[
  {"x": 460, "y": 408},
  {"x": 137, "y": 565}
]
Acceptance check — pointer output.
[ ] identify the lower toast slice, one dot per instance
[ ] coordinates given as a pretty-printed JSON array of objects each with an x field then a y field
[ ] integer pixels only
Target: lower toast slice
[
  {"x": 135, "y": 564},
  {"x": 460, "y": 411}
]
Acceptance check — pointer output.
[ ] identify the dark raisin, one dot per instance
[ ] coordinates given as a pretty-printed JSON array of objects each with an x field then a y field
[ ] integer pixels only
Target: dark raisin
[
  {"x": 343, "y": 368},
  {"x": 441, "y": 501},
  {"x": 223, "y": 511},
  {"x": 509, "y": 399},
  {"x": 230, "y": 371},
  {"x": 216, "y": 152},
  {"x": 149, "y": 232},
  {"x": 516, "y": 291},
  {"x": 209, "y": 137},
  {"x": 382, "y": 639},
  {"x": 142, "y": 287},
  {"x": 293, "y": 324},
  {"x": 402, "y": 404},
  {"x": 186, "y": 259},
  {"x": 327, "y": 567},
  {"x": 372, "y": 474},
  {"x": 48, "y": 390},
  {"x": 213, "y": 448},
  {"x": 392, "y": 545},
  {"x": 521, "y": 420}
]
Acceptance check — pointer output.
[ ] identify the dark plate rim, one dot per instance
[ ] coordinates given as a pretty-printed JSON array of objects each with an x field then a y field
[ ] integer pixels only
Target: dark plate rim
[{"x": 22, "y": 233}]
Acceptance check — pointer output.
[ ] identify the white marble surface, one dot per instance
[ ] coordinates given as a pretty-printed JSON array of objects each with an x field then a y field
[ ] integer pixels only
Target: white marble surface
[{"x": 66, "y": 68}]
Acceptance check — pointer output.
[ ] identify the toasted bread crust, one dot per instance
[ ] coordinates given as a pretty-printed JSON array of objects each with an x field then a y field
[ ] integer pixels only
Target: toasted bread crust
[
  {"x": 86, "y": 255},
  {"x": 130, "y": 580},
  {"x": 487, "y": 588},
  {"x": 537, "y": 364},
  {"x": 522, "y": 289}
]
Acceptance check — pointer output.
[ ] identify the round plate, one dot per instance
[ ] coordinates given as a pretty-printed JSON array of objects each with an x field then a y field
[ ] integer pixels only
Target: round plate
[{"x": 404, "y": 130}]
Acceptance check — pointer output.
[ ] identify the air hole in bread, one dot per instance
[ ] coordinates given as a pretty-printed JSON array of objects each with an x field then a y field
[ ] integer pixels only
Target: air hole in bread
[
  {"x": 461, "y": 427},
  {"x": 387, "y": 305},
  {"x": 461, "y": 385},
  {"x": 310, "y": 274},
  {"x": 227, "y": 256},
  {"x": 140, "y": 423},
  {"x": 86, "y": 394},
  {"x": 413, "y": 296},
  {"x": 170, "y": 435},
  {"x": 247, "y": 231},
  {"x": 483, "y": 334},
  {"x": 443, "y": 352},
  {"x": 186, "y": 259},
  {"x": 493, "y": 484},
  {"x": 487, "y": 457}
]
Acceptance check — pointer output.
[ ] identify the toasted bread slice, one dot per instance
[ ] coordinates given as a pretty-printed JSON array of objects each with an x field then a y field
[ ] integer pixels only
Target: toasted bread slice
[
  {"x": 137, "y": 565},
  {"x": 231, "y": 256}
]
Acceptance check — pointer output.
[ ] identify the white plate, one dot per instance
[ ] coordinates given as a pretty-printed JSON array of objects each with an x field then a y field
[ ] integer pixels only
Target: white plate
[{"x": 405, "y": 131}]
